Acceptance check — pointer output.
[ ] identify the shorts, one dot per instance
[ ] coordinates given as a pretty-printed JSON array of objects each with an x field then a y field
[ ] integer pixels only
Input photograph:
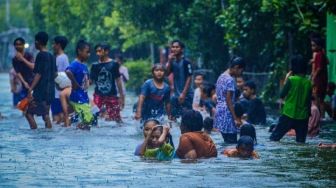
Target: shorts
[
  {"x": 84, "y": 112},
  {"x": 56, "y": 107},
  {"x": 286, "y": 123},
  {"x": 39, "y": 108},
  {"x": 111, "y": 104}
]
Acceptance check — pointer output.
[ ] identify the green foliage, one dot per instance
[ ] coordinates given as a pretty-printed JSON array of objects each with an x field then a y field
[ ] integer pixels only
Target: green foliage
[{"x": 139, "y": 71}]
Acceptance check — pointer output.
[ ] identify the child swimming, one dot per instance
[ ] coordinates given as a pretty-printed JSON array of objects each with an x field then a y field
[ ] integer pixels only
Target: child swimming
[
  {"x": 158, "y": 144},
  {"x": 244, "y": 149}
]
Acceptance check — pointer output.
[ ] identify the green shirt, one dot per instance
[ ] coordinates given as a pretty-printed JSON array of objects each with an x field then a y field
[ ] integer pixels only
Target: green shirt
[
  {"x": 297, "y": 94},
  {"x": 163, "y": 153}
]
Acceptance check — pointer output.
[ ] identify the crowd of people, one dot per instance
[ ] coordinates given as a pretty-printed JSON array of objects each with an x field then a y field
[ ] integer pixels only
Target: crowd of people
[{"x": 230, "y": 106}]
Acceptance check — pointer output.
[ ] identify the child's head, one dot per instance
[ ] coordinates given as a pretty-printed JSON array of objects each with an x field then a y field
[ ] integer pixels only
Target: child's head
[
  {"x": 41, "y": 40},
  {"x": 82, "y": 50},
  {"x": 155, "y": 136},
  {"x": 248, "y": 130},
  {"x": 240, "y": 82},
  {"x": 158, "y": 72},
  {"x": 245, "y": 147},
  {"x": 298, "y": 65},
  {"x": 239, "y": 110},
  {"x": 102, "y": 50},
  {"x": 208, "y": 124},
  {"x": 199, "y": 78},
  {"x": 237, "y": 65},
  {"x": 19, "y": 44},
  {"x": 317, "y": 43},
  {"x": 177, "y": 47},
  {"x": 60, "y": 42},
  {"x": 148, "y": 125},
  {"x": 191, "y": 121},
  {"x": 207, "y": 90},
  {"x": 249, "y": 89}
]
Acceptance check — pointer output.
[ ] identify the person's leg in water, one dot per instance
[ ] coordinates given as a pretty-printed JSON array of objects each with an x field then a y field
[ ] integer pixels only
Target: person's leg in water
[
  {"x": 301, "y": 129},
  {"x": 283, "y": 126},
  {"x": 113, "y": 109},
  {"x": 31, "y": 120},
  {"x": 176, "y": 109},
  {"x": 64, "y": 96},
  {"x": 47, "y": 121},
  {"x": 85, "y": 114}
]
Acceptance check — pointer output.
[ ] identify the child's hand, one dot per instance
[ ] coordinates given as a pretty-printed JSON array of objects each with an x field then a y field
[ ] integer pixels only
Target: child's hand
[{"x": 166, "y": 129}]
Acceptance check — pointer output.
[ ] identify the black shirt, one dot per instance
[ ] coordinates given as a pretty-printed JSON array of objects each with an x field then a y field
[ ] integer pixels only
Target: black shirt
[
  {"x": 23, "y": 69},
  {"x": 45, "y": 65},
  {"x": 256, "y": 112},
  {"x": 104, "y": 75}
]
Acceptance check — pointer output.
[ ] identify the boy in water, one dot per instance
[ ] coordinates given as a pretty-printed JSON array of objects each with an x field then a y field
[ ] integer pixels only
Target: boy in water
[
  {"x": 78, "y": 73},
  {"x": 154, "y": 97},
  {"x": 43, "y": 84},
  {"x": 62, "y": 62},
  {"x": 199, "y": 78},
  {"x": 297, "y": 93},
  {"x": 255, "y": 111},
  {"x": 106, "y": 76},
  {"x": 182, "y": 71},
  {"x": 244, "y": 149}
]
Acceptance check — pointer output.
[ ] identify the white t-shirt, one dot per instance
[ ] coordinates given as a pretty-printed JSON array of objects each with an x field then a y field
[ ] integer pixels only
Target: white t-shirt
[
  {"x": 124, "y": 77},
  {"x": 62, "y": 62},
  {"x": 197, "y": 97}
]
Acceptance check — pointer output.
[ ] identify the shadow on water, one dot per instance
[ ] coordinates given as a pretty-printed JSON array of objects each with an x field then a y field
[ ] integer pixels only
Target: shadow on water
[{"x": 67, "y": 157}]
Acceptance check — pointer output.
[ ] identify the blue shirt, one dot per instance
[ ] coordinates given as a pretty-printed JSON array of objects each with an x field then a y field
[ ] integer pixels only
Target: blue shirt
[
  {"x": 154, "y": 99},
  {"x": 81, "y": 74}
]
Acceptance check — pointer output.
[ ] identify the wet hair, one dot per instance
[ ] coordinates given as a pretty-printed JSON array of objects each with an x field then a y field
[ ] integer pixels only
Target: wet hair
[
  {"x": 207, "y": 88},
  {"x": 238, "y": 109},
  {"x": 298, "y": 64},
  {"x": 245, "y": 142},
  {"x": 250, "y": 84},
  {"x": 248, "y": 130},
  {"x": 19, "y": 39},
  {"x": 192, "y": 120},
  {"x": 157, "y": 122},
  {"x": 42, "y": 38},
  {"x": 158, "y": 66},
  {"x": 236, "y": 60},
  {"x": 81, "y": 44},
  {"x": 62, "y": 41},
  {"x": 200, "y": 74},
  {"x": 208, "y": 124},
  {"x": 181, "y": 44},
  {"x": 169, "y": 136}
]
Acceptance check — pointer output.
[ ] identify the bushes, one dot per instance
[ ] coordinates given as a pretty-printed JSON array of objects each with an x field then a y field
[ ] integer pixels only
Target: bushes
[{"x": 139, "y": 71}]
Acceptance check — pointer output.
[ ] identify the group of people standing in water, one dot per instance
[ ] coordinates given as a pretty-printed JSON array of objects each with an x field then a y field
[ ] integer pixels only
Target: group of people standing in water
[{"x": 230, "y": 106}]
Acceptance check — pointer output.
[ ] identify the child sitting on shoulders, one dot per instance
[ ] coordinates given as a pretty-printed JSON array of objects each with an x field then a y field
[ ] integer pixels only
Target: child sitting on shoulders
[
  {"x": 158, "y": 144},
  {"x": 244, "y": 149}
]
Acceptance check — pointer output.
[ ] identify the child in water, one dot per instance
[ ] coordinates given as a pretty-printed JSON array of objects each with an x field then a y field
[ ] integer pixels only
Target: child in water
[
  {"x": 158, "y": 144},
  {"x": 147, "y": 126},
  {"x": 244, "y": 149}
]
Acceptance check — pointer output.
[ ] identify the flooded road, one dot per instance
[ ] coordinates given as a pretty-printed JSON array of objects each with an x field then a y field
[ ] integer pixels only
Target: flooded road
[{"x": 103, "y": 157}]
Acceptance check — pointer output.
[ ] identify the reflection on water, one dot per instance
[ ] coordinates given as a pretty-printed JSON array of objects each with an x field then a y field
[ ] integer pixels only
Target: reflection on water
[{"x": 104, "y": 157}]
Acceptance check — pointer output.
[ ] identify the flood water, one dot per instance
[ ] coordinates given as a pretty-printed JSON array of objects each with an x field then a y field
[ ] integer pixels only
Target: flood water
[{"x": 103, "y": 157}]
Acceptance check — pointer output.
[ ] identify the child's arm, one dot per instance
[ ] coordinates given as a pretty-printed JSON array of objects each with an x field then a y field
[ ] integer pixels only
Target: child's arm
[
  {"x": 145, "y": 143},
  {"x": 36, "y": 79},
  {"x": 29, "y": 64},
  {"x": 121, "y": 93},
  {"x": 139, "y": 108},
  {"x": 25, "y": 84},
  {"x": 229, "y": 95},
  {"x": 255, "y": 155},
  {"x": 185, "y": 90},
  {"x": 163, "y": 136},
  {"x": 74, "y": 83}
]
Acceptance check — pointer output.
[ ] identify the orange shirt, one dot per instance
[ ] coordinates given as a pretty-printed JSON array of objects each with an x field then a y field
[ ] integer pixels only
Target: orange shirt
[{"x": 198, "y": 141}]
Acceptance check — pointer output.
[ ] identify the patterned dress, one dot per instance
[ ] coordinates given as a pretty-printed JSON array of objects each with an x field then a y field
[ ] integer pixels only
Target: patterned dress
[{"x": 223, "y": 118}]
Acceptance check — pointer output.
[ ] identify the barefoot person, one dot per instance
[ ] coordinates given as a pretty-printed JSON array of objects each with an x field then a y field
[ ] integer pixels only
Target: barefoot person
[{"x": 43, "y": 84}]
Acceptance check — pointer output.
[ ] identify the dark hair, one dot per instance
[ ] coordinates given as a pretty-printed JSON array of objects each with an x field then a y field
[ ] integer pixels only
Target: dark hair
[
  {"x": 248, "y": 130},
  {"x": 157, "y": 122},
  {"x": 42, "y": 38},
  {"x": 181, "y": 44},
  {"x": 331, "y": 86},
  {"x": 238, "y": 109},
  {"x": 246, "y": 142},
  {"x": 208, "y": 123},
  {"x": 199, "y": 74},
  {"x": 236, "y": 60},
  {"x": 250, "y": 84},
  {"x": 62, "y": 41},
  {"x": 120, "y": 57},
  {"x": 81, "y": 44},
  {"x": 169, "y": 136},
  {"x": 103, "y": 46},
  {"x": 298, "y": 64},
  {"x": 192, "y": 120},
  {"x": 317, "y": 39},
  {"x": 207, "y": 88},
  {"x": 19, "y": 39},
  {"x": 158, "y": 66}
]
